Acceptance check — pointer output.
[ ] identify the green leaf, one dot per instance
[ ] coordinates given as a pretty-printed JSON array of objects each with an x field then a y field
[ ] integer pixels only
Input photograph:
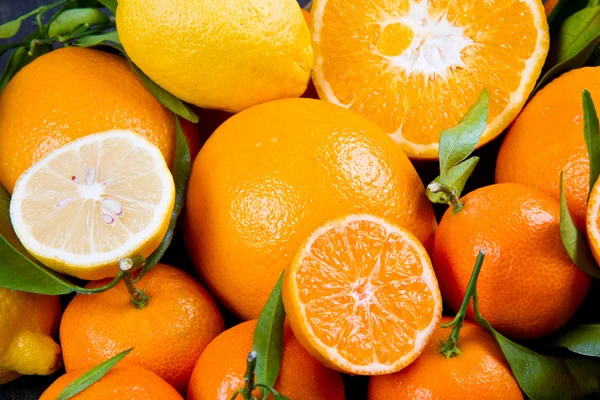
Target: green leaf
[
  {"x": 68, "y": 21},
  {"x": 96, "y": 40},
  {"x": 574, "y": 241},
  {"x": 578, "y": 36},
  {"x": 457, "y": 143},
  {"x": 547, "y": 378},
  {"x": 577, "y": 31},
  {"x": 10, "y": 28},
  {"x": 90, "y": 377},
  {"x": 581, "y": 339},
  {"x": 591, "y": 132},
  {"x": 456, "y": 178},
  {"x": 19, "y": 270},
  {"x": 111, "y": 5},
  {"x": 268, "y": 337},
  {"x": 165, "y": 98},
  {"x": 13, "y": 65},
  {"x": 181, "y": 175}
]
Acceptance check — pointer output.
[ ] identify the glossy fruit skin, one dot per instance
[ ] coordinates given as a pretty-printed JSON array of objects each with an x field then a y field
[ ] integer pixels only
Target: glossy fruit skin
[
  {"x": 70, "y": 93},
  {"x": 168, "y": 334},
  {"x": 480, "y": 372},
  {"x": 220, "y": 369},
  {"x": 528, "y": 286},
  {"x": 28, "y": 324},
  {"x": 223, "y": 54},
  {"x": 547, "y": 138},
  {"x": 122, "y": 382},
  {"x": 273, "y": 173}
]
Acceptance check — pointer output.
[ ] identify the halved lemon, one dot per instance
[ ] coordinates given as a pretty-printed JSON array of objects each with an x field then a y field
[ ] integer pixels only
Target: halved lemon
[
  {"x": 414, "y": 67},
  {"x": 361, "y": 296},
  {"x": 86, "y": 205}
]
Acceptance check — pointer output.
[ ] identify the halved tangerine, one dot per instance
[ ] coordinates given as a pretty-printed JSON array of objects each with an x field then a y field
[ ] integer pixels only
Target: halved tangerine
[{"x": 361, "y": 296}]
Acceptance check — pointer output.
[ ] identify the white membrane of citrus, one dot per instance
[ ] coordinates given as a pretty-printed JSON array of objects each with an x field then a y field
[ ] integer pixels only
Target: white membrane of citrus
[
  {"x": 364, "y": 293},
  {"x": 436, "y": 46},
  {"x": 94, "y": 200}
]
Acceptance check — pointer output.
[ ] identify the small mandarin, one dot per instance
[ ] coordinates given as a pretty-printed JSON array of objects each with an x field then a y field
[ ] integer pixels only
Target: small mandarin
[
  {"x": 122, "y": 382},
  {"x": 220, "y": 369},
  {"x": 168, "y": 334},
  {"x": 479, "y": 372},
  {"x": 528, "y": 286}
]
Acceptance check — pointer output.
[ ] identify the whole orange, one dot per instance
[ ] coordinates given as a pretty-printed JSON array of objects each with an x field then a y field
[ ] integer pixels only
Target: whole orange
[
  {"x": 271, "y": 174},
  {"x": 70, "y": 93},
  {"x": 548, "y": 138},
  {"x": 122, "y": 382},
  {"x": 220, "y": 369},
  {"x": 528, "y": 286},
  {"x": 168, "y": 335},
  {"x": 480, "y": 372}
]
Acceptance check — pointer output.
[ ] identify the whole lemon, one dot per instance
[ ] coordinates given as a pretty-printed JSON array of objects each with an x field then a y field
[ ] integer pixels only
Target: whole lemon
[
  {"x": 271, "y": 174},
  {"x": 27, "y": 324},
  {"x": 224, "y": 54}
]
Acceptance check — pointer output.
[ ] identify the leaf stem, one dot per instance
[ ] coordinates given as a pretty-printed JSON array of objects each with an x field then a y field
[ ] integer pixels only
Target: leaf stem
[
  {"x": 436, "y": 187},
  {"x": 128, "y": 266},
  {"x": 450, "y": 347},
  {"x": 100, "y": 289}
]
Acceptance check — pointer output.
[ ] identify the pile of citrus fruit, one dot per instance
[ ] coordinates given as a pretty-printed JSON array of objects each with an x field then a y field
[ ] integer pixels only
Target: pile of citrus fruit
[{"x": 230, "y": 199}]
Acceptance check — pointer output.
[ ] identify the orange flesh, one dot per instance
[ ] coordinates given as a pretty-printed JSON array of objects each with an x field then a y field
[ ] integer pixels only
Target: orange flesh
[
  {"x": 364, "y": 293},
  {"x": 355, "y": 47}
]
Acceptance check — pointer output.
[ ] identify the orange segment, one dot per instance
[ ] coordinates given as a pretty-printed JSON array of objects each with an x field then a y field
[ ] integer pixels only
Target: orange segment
[
  {"x": 361, "y": 296},
  {"x": 415, "y": 67}
]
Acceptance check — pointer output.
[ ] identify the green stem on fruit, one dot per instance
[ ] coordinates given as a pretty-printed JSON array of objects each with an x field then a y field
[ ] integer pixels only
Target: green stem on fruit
[
  {"x": 450, "y": 347},
  {"x": 128, "y": 265},
  {"x": 249, "y": 376},
  {"x": 436, "y": 187}
]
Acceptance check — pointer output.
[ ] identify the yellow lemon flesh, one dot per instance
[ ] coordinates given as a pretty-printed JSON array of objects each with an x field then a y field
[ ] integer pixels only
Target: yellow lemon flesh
[{"x": 86, "y": 205}]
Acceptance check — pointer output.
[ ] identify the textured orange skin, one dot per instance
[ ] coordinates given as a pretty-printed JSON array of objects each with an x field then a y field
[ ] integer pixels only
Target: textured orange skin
[
  {"x": 220, "y": 369},
  {"x": 122, "y": 382},
  {"x": 70, "y": 93},
  {"x": 480, "y": 372},
  {"x": 273, "y": 173},
  {"x": 168, "y": 335},
  {"x": 528, "y": 286},
  {"x": 548, "y": 137}
]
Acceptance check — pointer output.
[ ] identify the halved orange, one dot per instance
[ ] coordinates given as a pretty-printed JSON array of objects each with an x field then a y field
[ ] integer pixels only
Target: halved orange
[
  {"x": 361, "y": 296},
  {"x": 592, "y": 221},
  {"x": 415, "y": 67}
]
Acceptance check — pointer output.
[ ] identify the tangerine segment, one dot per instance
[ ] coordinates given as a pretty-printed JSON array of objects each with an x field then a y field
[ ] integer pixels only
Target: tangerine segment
[
  {"x": 361, "y": 296},
  {"x": 415, "y": 67},
  {"x": 88, "y": 204}
]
